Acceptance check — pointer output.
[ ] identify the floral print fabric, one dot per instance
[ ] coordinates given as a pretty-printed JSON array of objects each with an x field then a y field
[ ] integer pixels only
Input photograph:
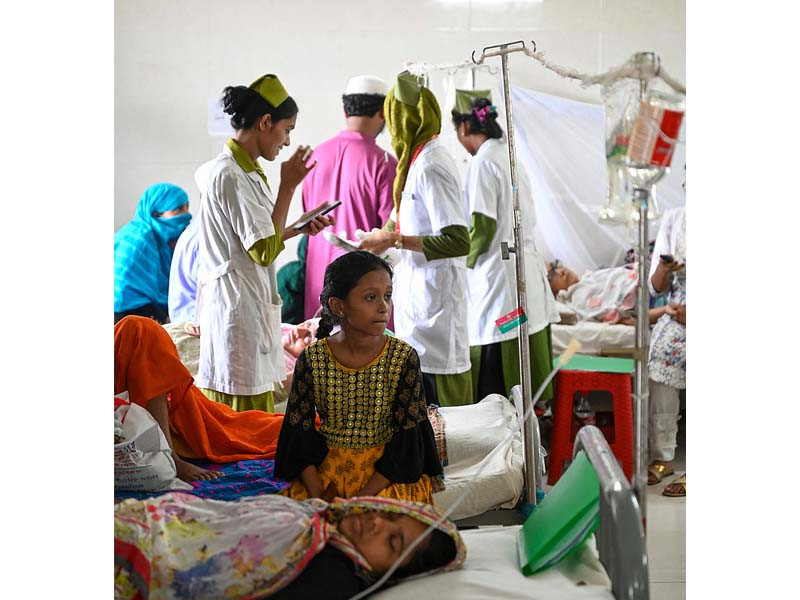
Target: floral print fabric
[{"x": 181, "y": 546}]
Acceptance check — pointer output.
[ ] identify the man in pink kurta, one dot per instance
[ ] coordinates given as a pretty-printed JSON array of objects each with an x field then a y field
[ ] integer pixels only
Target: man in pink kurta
[{"x": 352, "y": 168}]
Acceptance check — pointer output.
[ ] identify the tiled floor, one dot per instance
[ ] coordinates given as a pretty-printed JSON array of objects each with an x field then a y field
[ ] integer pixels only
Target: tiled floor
[{"x": 666, "y": 538}]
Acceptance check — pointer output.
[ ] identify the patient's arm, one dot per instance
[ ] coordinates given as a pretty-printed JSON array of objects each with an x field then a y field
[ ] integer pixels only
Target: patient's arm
[{"x": 653, "y": 316}]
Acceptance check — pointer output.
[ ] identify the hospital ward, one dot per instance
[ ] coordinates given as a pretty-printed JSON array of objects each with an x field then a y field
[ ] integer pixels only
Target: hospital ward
[{"x": 400, "y": 300}]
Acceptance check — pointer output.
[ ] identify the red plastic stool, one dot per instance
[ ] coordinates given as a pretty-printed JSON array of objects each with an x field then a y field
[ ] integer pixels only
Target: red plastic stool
[{"x": 569, "y": 382}]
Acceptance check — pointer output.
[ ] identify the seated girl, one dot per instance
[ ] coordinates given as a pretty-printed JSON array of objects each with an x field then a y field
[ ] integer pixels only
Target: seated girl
[
  {"x": 182, "y": 546},
  {"x": 375, "y": 438},
  {"x": 146, "y": 364}
]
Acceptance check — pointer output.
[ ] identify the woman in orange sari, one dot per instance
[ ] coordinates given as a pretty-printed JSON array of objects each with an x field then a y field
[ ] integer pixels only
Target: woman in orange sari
[{"x": 146, "y": 365}]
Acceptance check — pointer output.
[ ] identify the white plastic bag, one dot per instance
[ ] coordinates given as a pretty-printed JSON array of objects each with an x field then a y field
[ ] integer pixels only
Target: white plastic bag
[{"x": 142, "y": 457}]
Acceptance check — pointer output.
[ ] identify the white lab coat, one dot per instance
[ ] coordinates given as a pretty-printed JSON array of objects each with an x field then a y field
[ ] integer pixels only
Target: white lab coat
[
  {"x": 431, "y": 296},
  {"x": 239, "y": 308},
  {"x": 491, "y": 283}
]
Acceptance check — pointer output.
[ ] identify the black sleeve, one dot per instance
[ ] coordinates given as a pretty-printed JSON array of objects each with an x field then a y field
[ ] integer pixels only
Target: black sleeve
[
  {"x": 412, "y": 450},
  {"x": 299, "y": 443},
  {"x": 329, "y": 576}
]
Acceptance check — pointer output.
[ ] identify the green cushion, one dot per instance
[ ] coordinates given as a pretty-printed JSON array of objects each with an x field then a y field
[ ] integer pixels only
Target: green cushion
[{"x": 598, "y": 364}]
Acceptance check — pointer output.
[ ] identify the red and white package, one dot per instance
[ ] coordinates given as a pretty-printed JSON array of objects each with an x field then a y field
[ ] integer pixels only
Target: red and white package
[{"x": 656, "y": 131}]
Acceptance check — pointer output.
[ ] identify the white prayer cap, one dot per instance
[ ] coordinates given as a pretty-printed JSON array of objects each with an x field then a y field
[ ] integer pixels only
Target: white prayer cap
[{"x": 366, "y": 84}]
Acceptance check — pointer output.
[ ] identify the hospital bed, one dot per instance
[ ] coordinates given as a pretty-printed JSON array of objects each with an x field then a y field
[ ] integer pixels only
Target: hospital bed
[
  {"x": 608, "y": 339},
  {"x": 610, "y": 565}
]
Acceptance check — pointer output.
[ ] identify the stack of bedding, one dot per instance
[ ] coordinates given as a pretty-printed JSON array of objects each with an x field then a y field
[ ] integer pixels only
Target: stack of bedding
[{"x": 490, "y": 479}]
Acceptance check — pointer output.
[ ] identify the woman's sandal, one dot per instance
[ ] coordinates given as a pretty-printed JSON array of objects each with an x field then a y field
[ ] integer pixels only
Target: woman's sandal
[
  {"x": 657, "y": 471},
  {"x": 677, "y": 488}
]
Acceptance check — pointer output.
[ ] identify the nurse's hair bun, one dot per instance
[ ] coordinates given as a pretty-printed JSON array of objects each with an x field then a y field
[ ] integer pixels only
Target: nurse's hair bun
[
  {"x": 481, "y": 119},
  {"x": 246, "y": 107}
]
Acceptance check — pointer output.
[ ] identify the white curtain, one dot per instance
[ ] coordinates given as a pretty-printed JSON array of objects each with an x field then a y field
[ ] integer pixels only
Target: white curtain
[{"x": 560, "y": 144}]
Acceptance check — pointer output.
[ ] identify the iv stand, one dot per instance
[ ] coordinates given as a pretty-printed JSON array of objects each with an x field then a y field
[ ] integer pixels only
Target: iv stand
[
  {"x": 641, "y": 405},
  {"x": 532, "y": 459}
]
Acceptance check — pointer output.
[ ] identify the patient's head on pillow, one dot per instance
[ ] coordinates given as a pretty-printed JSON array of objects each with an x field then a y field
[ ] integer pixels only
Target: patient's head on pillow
[
  {"x": 381, "y": 537},
  {"x": 560, "y": 277},
  {"x": 383, "y": 529}
]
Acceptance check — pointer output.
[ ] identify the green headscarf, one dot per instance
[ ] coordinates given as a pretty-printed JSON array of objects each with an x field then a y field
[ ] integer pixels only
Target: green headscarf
[{"x": 411, "y": 126}]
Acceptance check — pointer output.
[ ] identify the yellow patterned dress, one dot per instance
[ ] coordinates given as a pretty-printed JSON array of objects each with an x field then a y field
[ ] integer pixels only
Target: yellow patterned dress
[{"x": 372, "y": 418}]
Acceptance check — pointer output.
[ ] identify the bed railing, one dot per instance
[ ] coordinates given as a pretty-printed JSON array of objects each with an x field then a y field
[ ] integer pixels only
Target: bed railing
[{"x": 620, "y": 535}]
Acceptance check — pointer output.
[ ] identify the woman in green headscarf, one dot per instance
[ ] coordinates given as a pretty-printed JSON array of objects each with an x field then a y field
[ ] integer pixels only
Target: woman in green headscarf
[
  {"x": 429, "y": 226},
  {"x": 242, "y": 230}
]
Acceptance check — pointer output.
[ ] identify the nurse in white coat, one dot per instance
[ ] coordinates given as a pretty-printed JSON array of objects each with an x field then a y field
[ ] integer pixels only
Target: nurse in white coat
[
  {"x": 491, "y": 281},
  {"x": 242, "y": 231},
  {"x": 429, "y": 227}
]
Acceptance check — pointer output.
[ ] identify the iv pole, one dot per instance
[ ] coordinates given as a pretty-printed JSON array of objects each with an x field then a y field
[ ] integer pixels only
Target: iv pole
[{"x": 532, "y": 459}]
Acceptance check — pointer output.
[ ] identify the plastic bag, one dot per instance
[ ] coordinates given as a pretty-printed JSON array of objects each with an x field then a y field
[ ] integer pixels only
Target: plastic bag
[{"x": 142, "y": 457}]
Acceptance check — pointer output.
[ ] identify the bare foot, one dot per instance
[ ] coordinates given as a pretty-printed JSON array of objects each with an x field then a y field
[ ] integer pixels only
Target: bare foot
[{"x": 189, "y": 472}]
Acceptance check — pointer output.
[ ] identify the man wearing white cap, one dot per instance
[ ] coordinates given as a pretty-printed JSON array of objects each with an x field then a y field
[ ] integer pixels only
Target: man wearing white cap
[{"x": 352, "y": 168}]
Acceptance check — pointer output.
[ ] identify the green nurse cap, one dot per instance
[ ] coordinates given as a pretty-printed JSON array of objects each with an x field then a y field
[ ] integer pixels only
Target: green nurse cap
[
  {"x": 271, "y": 89},
  {"x": 465, "y": 98},
  {"x": 407, "y": 88}
]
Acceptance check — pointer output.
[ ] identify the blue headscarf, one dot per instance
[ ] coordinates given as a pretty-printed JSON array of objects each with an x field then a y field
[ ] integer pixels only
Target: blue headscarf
[{"x": 142, "y": 253}]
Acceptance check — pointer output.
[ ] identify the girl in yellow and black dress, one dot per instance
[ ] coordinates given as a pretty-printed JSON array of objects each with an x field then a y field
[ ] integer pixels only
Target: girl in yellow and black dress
[{"x": 375, "y": 438}]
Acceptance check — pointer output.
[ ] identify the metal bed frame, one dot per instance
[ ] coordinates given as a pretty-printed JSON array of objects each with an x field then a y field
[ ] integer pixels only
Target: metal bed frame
[{"x": 620, "y": 536}]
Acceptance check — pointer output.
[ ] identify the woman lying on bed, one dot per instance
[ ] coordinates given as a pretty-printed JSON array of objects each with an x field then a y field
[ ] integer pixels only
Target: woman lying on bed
[
  {"x": 147, "y": 366},
  {"x": 605, "y": 295},
  {"x": 181, "y": 546}
]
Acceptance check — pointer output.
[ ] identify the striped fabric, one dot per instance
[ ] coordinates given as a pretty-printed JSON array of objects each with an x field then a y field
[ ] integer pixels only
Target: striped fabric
[{"x": 142, "y": 253}]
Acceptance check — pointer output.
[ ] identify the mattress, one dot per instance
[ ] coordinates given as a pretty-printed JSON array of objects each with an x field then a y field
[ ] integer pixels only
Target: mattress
[
  {"x": 594, "y": 337},
  {"x": 490, "y": 480},
  {"x": 492, "y": 571}
]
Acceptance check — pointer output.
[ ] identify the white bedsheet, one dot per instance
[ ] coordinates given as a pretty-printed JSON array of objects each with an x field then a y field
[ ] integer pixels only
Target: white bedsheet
[
  {"x": 593, "y": 336},
  {"x": 492, "y": 572},
  {"x": 472, "y": 432}
]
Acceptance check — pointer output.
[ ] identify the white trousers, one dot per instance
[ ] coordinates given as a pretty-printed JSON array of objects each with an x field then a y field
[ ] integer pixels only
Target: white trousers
[{"x": 665, "y": 407}]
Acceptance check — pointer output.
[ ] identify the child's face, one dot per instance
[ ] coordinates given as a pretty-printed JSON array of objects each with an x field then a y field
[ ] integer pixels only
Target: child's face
[{"x": 369, "y": 304}]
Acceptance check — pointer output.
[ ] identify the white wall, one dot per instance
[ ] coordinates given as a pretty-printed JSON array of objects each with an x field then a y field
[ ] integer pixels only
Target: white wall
[{"x": 171, "y": 57}]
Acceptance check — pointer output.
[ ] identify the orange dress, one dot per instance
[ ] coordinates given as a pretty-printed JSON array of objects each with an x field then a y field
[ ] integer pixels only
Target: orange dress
[{"x": 146, "y": 364}]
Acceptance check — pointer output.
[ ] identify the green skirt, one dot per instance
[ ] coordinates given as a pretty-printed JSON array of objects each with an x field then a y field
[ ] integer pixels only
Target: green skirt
[
  {"x": 242, "y": 403},
  {"x": 448, "y": 390},
  {"x": 506, "y": 361}
]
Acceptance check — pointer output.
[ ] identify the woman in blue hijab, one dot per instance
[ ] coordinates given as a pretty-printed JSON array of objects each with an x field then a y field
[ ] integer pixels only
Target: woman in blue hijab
[{"x": 143, "y": 252}]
